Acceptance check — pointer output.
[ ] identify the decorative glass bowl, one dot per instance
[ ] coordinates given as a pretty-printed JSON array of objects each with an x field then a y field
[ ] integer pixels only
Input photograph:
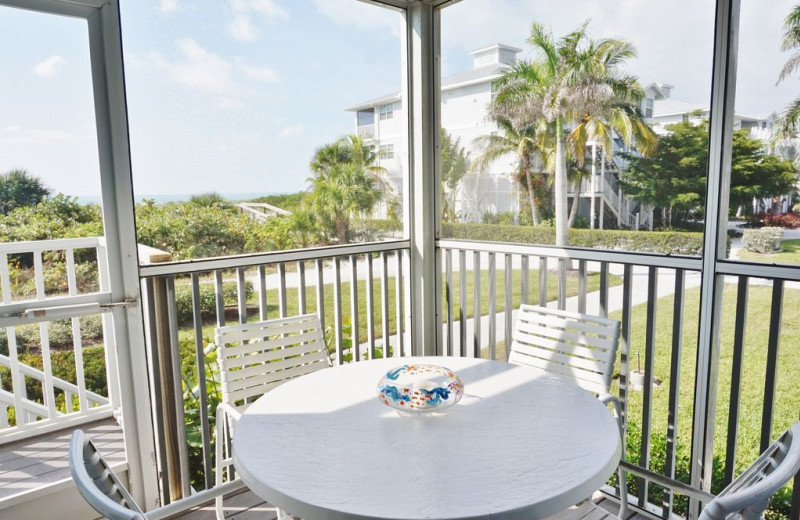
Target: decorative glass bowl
[{"x": 419, "y": 389}]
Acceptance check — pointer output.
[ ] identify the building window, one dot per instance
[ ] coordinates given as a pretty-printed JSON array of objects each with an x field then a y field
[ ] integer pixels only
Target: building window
[
  {"x": 386, "y": 111},
  {"x": 648, "y": 108},
  {"x": 386, "y": 151},
  {"x": 365, "y": 117},
  {"x": 685, "y": 117}
]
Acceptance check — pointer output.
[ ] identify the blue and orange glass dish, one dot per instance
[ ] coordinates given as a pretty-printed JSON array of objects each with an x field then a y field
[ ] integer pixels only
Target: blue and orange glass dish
[{"x": 420, "y": 389}]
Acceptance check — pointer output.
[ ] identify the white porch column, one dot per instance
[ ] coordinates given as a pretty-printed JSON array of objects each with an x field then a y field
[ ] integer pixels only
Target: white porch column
[
  {"x": 123, "y": 274},
  {"x": 423, "y": 88}
]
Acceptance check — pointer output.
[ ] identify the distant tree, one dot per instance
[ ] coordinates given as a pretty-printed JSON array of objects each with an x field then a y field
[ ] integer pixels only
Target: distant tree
[
  {"x": 18, "y": 188},
  {"x": 532, "y": 158},
  {"x": 790, "y": 118},
  {"x": 674, "y": 177},
  {"x": 455, "y": 164},
  {"x": 209, "y": 199},
  {"x": 575, "y": 90},
  {"x": 346, "y": 181}
]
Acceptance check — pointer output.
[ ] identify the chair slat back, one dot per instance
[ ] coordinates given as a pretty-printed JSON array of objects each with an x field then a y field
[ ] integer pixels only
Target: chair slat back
[
  {"x": 256, "y": 357},
  {"x": 97, "y": 483},
  {"x": 748, "y": 495},
  {"x": 577, "y": 346}
]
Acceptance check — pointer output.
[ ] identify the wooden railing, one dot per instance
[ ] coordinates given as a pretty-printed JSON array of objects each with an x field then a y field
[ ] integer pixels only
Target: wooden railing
[{"x": 42, "y": 283}]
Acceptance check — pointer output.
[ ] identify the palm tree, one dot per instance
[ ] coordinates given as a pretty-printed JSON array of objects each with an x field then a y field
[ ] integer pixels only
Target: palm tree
[
  {"x": 787, "y": 124},
  {"x": 345, "y": 181},
  {"x": 454, "y": 166},
  {"x": 530, "y": 150},
  {"x": 574, "y": 83}
]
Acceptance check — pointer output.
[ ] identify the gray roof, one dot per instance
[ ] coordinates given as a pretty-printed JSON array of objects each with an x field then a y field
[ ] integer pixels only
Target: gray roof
[{"x": 487, "y": 73}]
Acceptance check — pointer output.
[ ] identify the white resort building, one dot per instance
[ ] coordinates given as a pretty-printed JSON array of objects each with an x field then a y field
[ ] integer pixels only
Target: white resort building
[{"x": 465, "y": 98}]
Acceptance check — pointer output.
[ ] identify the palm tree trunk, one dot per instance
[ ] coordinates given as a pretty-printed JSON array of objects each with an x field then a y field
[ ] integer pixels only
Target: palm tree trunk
[
  {"x": 562, "y": 238},
  {"x": 575, "y": 203},
  {"x": 531, "y": 198}
]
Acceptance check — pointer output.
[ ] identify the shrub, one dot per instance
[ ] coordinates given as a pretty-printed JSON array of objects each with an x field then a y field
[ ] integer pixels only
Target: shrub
[
  {"x": 664, "y": 242},
  {"x": 208, "y": 299},
  {"x": 763, "y": 240},
  {"x": 63, "y": 364},
  {"x": 59, "y": 332},
  {"x": 783, "y": 220}
]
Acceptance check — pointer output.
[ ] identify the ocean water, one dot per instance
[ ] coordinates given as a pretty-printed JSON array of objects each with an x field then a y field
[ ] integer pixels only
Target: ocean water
[{"x": 162, "y": 198}]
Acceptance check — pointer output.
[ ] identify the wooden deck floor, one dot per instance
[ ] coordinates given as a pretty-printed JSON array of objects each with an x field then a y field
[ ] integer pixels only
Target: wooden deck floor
[
  {"x": 30, "y": 464},
  {"x": 247, "y": 506}
]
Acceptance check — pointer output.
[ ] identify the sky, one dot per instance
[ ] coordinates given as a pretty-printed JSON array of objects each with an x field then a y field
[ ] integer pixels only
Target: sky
[{"x": 233, "y": 96}]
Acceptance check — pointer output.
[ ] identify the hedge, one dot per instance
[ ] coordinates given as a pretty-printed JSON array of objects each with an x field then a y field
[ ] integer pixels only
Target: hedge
[
  {"x": 208, "y": 299},
  {"x": 664, "y": 242}
]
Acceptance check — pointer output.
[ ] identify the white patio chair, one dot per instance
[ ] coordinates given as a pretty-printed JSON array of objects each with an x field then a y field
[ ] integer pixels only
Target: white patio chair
[
  {"x": 103, "y": 490},
  {"x": 253, "y": 359},
  {"x": 577, "y": 346}
]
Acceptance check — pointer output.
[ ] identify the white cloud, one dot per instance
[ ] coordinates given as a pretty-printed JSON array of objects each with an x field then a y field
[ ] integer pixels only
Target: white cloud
[
  {"x": 292, "y": 131},
  {"x": 167, "y": 6},
  {"x": 264, "y": 74},
  {"x": 360, "y": 15},
  {"x": 50, "y": 67},
  {"x": 18, "y": 135},
  {"x": 242, "y": 28},
  {"x": 198, "y": 69}
]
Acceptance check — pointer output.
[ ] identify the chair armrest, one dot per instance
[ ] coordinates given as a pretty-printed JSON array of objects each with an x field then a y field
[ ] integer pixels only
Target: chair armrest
[{"x": 229, "y": 410}]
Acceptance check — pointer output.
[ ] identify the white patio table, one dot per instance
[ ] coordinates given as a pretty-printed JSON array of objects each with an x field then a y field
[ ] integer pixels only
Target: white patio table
[{"x": 520, "y": 444}]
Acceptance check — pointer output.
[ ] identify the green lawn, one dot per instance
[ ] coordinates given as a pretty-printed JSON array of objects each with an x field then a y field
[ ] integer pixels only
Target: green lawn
[
  {"x": 292, "y": 304},
  {"x": 752, "y": 389},
  {"x": 789, "y": 254}
]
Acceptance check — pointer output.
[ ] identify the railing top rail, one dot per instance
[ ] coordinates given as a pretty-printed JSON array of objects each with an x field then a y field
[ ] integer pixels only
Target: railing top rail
[
  {"x": 49, "y": 245},
  {"x": 575, "y": 253},
  {"x": 759, "y": 270},
  {"x": 297, "y": 255}
]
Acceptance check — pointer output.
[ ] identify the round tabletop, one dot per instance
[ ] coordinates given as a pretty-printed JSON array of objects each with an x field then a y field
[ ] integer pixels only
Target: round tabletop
[{"x": 520, "y": 444}]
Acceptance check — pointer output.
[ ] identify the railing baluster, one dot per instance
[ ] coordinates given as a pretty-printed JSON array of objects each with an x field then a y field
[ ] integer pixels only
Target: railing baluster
[
  {"x": 370, "y": 309},
  {"x": 72, "y": 285},
  {"x": 448, "y": 262},
  {"x": 48, "y": 392},
  {"x": 542, "y": 281},
  {"x": 604, "y": 289},
  {"x": 399, "y": 302},
  {"x": 674, "y": 389},
  {"x": 200, "y": 360},
  {"x": 524, "y": 280},
  {"x": 219, "y": 298},
  {"x": 320, "y": 269},
  {"x": 301, "y": 286},
  {"x": 80, "y": 376},
  {"x": 17, "y": 379},
  {"x": 647, "y": 399},
  {"x": 282, "y": 288},
  {"x": 509, "y": 311},
  {"x": 262, "y": 292},
  {"x": 38, "y": 275},
  {"x": 562, "y": 283},
  {"x": 5, "y": 281},
  {"x": 354, "y": 332},
  {"x": 337, "y": 308},
  {"x": 476, "y": 302},
  {"x": 492, "y": 308},
  {"x": 770, "y": 383},
  {"x": 462, "y": 310},
  {"x": 582, "y": 286},
  {"x": 177, "y": 391},
  {"x": 241, "y": 294},
  {"x": 736, "y": 378},
  {"x": 625, "y": 344},
  {"x": 385, "y": 303}
]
